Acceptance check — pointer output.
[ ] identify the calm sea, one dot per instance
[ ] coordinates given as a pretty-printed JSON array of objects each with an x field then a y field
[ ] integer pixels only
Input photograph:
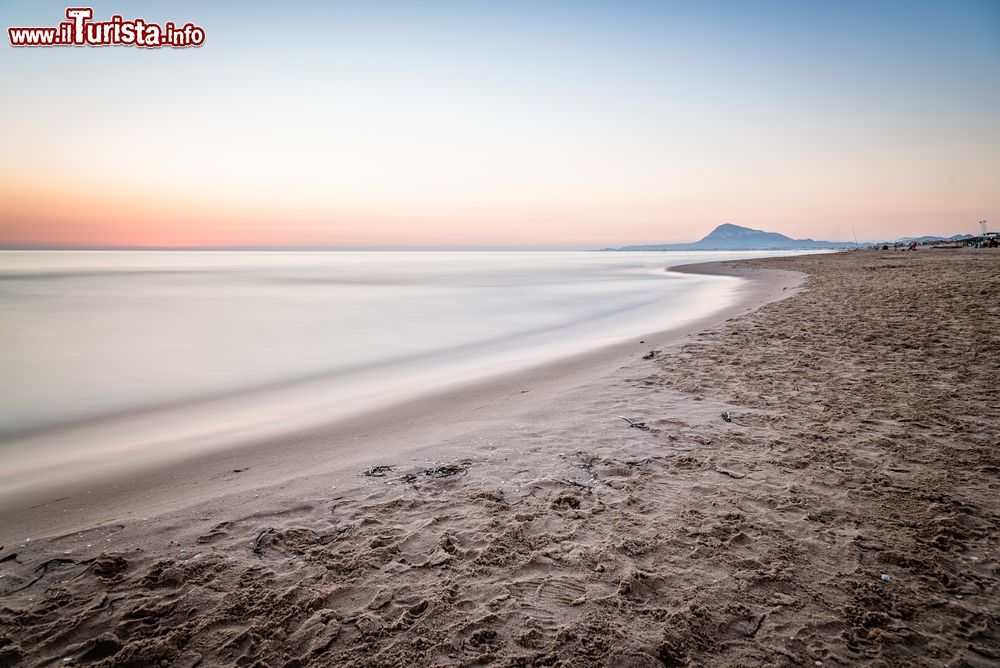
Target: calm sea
[{"x": 109, "y": 354}]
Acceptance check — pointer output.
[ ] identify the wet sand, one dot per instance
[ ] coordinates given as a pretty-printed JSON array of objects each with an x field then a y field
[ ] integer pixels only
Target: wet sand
[{"x": 812, "y": 481}]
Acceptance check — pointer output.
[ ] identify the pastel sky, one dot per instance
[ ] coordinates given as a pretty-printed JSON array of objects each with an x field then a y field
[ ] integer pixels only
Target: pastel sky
[{"x": 521, "y": 123}]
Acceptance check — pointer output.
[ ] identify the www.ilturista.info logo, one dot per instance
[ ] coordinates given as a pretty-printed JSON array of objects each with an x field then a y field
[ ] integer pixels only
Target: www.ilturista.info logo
[{"x": 79, "y": 30}]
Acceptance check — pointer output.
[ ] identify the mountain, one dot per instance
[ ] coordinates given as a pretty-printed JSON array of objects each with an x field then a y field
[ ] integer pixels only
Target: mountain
[{"x": 735, "y": 237}]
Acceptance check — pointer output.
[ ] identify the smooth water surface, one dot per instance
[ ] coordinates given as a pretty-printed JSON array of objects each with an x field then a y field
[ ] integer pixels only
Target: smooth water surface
[{"x": 113, "y": 353}]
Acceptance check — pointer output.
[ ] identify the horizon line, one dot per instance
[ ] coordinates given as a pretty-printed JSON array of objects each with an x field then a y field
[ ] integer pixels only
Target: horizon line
[
  {"x": 387, "y": 248},
  {"x": 280, "y": 247}
]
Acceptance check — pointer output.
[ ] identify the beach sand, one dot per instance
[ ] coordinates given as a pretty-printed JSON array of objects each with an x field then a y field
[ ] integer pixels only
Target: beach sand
[{"x": 812, "y": 482}]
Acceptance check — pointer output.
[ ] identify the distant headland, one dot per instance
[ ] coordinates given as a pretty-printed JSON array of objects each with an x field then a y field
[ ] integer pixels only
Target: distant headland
[{"x": 727, "y": 237}]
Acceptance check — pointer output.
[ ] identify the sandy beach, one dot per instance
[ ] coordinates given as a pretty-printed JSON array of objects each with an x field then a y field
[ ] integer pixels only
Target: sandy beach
[{"x": 808, "y": 477}]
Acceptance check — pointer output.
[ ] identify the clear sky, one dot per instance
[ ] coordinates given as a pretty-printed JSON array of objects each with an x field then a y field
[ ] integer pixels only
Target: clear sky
[{"x": 536, "y": 124}]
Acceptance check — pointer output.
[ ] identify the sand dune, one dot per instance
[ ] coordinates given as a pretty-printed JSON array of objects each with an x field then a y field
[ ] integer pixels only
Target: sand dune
[{"x": 844, "y": 511}]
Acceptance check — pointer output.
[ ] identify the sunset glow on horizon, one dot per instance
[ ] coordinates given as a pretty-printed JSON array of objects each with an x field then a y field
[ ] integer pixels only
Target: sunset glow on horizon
[{"x": 556, "y": 125}]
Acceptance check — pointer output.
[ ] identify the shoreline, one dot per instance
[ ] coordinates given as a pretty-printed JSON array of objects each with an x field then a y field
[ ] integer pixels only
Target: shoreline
[
  {"x": 808, "y": 482},
  {"x": 46, "y": 508}
]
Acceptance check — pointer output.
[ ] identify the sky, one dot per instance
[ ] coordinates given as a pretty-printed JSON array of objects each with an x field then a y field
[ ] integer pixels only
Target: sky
[{"x": 527, "y": 124}]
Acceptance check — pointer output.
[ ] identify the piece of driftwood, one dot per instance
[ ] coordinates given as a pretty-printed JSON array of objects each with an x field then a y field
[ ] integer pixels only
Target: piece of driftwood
[{"x": 756, "y": 628}]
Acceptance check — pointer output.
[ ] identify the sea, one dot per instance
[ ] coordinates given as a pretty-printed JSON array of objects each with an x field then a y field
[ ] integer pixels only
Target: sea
[{"x": 119, "y": 354}]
